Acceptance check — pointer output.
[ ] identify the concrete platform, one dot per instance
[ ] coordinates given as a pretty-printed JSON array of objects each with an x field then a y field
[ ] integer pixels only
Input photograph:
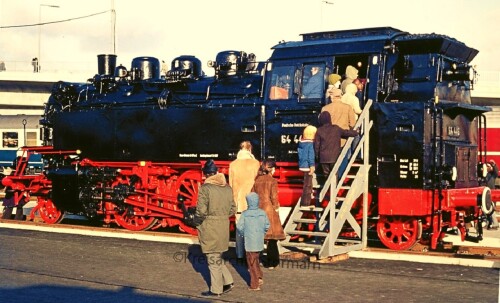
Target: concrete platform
[
  {"x": 491, "y": 239},
  {"x": 53, "y": 267}
]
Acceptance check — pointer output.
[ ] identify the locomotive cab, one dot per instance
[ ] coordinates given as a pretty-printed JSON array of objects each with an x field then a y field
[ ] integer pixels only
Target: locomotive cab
[{"x": 296, "y": 85}]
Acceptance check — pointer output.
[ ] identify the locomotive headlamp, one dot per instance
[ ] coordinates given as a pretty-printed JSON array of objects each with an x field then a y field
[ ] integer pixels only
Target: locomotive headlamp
[
  {"x": 78, "y": 152},
  {"x": 450, "y": 173},
  {"x": 142, "y": 163},
  {"x": 454, "y": 173},
  {"x": 472, "y": 73}
]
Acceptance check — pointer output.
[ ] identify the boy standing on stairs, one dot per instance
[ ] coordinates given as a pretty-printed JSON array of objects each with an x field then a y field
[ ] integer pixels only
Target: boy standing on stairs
[{"x": 307, "y": 163}]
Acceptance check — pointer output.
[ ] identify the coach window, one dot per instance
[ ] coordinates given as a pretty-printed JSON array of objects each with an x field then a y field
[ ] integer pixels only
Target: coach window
[
  {"x": 31, "y": 139},
  {"x": 10, "y": 139},
  {"x": 281, "y": 83},
  {"x": 313, "y": 81}
]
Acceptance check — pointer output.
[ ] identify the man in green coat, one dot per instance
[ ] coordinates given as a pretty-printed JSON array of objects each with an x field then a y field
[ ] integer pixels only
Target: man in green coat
[{"x": 215, "y": 206}]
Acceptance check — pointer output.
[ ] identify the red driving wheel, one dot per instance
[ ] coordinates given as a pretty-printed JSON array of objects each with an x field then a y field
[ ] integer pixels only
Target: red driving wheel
[
  {"x": 129, "y": 220},
  {"x": 188, "y": 185},
  {"x": 48, "y": 211}
]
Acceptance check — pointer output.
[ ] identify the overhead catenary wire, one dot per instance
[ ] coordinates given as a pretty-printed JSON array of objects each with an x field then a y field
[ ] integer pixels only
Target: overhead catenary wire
[{"x": 52, "y": 22}]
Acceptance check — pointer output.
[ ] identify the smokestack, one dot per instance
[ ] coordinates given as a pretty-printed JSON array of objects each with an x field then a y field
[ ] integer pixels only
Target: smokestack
[{"x": 106, "y": 64}]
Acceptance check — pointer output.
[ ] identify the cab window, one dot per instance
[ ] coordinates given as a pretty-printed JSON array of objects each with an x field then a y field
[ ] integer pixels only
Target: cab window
[{"x": 281, "y": 83}]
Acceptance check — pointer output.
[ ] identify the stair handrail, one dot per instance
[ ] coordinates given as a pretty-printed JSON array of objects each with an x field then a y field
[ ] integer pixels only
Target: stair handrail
[
  {"x": 364, "y": 124},
  {"x": 361, "y": 123}
]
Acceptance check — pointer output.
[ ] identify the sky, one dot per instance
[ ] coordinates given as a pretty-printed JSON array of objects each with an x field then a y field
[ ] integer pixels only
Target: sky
[{"x": 166, "y": 29}]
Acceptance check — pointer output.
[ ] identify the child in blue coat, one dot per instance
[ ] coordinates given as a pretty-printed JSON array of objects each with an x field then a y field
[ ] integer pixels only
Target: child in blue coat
[
  {"x": 307, "y": 163},
  {"x": 253, "y": 225}
]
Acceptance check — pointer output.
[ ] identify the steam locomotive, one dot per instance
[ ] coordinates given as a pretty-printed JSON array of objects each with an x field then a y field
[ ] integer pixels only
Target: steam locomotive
[{"x": 128, "y": 145}]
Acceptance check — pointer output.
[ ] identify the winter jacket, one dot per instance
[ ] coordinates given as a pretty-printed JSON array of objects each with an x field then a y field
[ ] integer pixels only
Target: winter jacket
[
  {"x": 314, "y": 86},
  {"x": 342, "y": 114},
  {"x": 242, "y": 173},
  {"x": 350, "y": 98},
  {"x": 327, "y": 142},
  {"x": 214, "y": 207},
  {"x": 267, "y": 189},
  {"x": 253, "y": 224},
  {"x": 306, "y": 155}
]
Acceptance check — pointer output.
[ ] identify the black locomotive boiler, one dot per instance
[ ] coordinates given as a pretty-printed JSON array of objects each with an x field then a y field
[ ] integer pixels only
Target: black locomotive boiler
[{"x": 128, "y": 145}]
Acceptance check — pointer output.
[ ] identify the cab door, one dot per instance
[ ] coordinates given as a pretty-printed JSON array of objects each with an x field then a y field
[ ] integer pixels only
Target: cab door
[{"x": 290, "y": 105}]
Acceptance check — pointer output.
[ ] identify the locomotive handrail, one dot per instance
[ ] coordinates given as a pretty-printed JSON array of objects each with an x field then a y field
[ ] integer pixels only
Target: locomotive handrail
[
  {"x": 296, "y": 112},
  {"x": 49, "y": 150}
]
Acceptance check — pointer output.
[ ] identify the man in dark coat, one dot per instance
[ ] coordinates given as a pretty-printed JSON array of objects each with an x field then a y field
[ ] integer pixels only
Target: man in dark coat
[
  {"x": 214, "y": 207},
  {"x": 327, "y": 140}
]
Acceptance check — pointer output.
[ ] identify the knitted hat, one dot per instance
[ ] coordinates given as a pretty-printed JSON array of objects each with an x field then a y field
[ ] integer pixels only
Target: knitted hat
[
  {"x": 210, "y": 168},
  {"x": 351, "y": 72},
  {"x": 333, "y": 78}
]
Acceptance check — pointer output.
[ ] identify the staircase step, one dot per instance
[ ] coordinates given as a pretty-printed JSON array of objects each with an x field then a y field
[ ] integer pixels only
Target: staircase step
[
  {"x": 305, "y": 220},
  {"x": 300, "y": 244},
  {"x": 305, "y": 208},
  {"x": 308, "y": 233},
  {"x": 345, "y": 187}
]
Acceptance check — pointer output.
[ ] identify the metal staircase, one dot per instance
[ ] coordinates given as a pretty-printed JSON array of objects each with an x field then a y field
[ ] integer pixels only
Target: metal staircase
[{"x": 318, "y": 230}]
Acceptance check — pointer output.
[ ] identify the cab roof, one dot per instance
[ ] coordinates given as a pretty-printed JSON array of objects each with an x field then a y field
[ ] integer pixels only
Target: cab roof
[{"x": 371, "y": 40}]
